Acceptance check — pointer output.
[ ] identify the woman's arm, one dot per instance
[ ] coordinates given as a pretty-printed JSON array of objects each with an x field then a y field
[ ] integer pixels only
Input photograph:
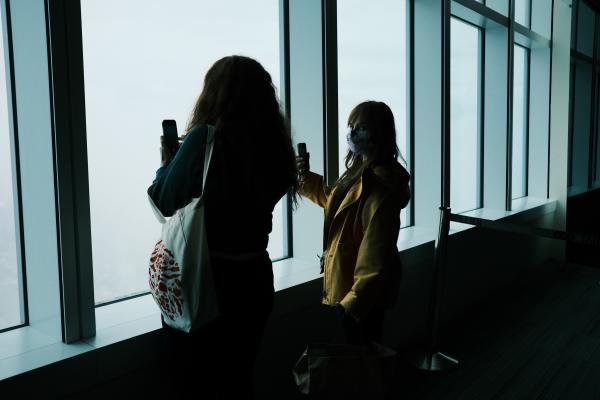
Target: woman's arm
[
  {"x": 314, "y": 188},
  {"x": 376, "y": 249},
  {"x": 180, "y": 180}
]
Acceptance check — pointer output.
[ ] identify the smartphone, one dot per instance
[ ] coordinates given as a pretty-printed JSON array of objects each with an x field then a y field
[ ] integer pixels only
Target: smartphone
[
  {"x": 169, "y": 127},
  {"x": 302, "y": 150},
  {"x": 304, "y": 154}
]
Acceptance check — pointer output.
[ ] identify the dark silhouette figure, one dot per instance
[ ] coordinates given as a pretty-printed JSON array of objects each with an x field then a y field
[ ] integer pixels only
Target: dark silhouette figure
[
  {"x": 252, "y": 167},
  {"x": 362, "y": 222}
]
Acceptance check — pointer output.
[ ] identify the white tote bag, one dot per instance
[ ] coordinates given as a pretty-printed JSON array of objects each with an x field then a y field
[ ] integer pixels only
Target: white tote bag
[{"x": 180, "y": 273}]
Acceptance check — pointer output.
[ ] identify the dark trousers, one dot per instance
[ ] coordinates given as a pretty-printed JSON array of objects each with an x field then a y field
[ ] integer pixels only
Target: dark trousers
[
  {"x": 217, "y": 360},
  {"x": 369, "y": 329}
]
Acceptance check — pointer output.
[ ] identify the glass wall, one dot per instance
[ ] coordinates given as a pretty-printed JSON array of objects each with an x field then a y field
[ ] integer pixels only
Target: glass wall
[
  {"x": 571, "y": 121},
  {"x": 520, "y": 118},
  {"x": 10, "y": 303},
  {"x": 145, "y": 61},
  {"x": 523, "y": 12},
  {"x": 372, "y": 62},
  {"x": 465, "y": 122}
]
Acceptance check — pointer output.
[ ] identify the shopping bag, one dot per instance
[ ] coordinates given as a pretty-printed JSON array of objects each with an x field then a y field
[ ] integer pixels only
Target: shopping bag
[
  {"x": 339, "y": 371},
  {"x": 180, "y": 273}
]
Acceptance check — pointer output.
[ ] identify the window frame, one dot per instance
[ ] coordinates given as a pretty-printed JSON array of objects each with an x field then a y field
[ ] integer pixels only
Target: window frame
[
  {"x": 497, "y": 193},
  {"x": 6, "y": 27},
  {"x": 526, "y": 122},
  {"x": 480, "y": 111}
]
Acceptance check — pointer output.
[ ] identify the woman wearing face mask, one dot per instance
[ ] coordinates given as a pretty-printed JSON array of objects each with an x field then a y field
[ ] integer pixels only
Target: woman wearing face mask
[{"x": 362, "y": 220}]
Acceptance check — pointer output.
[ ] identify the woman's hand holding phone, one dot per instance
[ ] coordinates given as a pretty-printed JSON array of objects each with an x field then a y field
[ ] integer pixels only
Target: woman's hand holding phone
[
  {"x": 169, "y": 141},
  {"x": 165, "y": 153},
  {"x": 302, "y": 161}
]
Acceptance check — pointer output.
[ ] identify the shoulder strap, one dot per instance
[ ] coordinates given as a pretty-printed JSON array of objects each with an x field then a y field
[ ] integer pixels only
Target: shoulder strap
[
  {"x": 210, "y": 141},
  {"x": 210, "y": 136}
]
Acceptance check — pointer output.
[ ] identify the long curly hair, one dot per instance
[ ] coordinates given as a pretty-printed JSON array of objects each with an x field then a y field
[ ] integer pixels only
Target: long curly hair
[{"x": 239, "y": 99}]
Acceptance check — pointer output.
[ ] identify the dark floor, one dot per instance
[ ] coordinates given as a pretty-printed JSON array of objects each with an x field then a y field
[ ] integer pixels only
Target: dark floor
[{"x": 540, "y": 340}]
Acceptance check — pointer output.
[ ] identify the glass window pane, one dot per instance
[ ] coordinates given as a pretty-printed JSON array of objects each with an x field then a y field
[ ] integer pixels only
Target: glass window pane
[
  {"x": 465, "y": 165},
  {"x": 500, "y": 6},
  {"x": 585, "y": 29},
  {"x": 372, "y": 64},
  {"x": 10, "y": 299},
  {"x": 522, "y": 12},
  {"x": 580, "y": 138},
  {"x": 574, "y": 8},
  {"x": 571, "y": 122},
  {"x": 520, "y": 117},
  {"x": 145, "y": 61}
]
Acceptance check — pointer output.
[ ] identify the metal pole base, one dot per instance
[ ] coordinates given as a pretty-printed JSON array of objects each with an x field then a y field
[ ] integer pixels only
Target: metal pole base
[{"x": 435, "y": 362}]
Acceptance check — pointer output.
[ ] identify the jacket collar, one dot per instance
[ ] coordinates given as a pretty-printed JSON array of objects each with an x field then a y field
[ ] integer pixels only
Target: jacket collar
[{"x": 352, "y": 196}]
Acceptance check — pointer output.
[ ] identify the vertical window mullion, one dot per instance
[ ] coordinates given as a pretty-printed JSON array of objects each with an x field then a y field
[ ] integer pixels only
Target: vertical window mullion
[
  {"x": 509, "y": 107},
  {"x": 410, "y": 20},
  {"x": 31, "y": 80},
  {"x": 306, "y": 111},
  {"x": 72, "y": 187},
  {"x": 527, "y": 107},
  {"x": 481, "y": 112},
  {"x": 571, "y": 122},
  {"x": 284, "y": 53},
  {"x": 330, "y": 90}
]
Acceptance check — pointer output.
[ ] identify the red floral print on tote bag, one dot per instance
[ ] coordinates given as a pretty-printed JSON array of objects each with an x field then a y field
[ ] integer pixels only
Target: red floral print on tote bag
[
  {"x": 165, "y": 281},
  {"x": 180, "y": 271}
]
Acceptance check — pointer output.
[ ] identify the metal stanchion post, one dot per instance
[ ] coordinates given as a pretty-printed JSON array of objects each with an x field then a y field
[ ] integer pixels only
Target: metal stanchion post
[{"x": 431, "y": 359}]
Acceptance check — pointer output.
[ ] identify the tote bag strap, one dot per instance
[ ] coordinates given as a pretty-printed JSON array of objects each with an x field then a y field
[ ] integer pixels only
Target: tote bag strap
[{"x": 210, "y": 140}]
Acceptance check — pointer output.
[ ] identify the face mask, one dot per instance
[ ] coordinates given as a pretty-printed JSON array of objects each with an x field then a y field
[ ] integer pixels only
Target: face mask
[{"x": 357, "y": 140}]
